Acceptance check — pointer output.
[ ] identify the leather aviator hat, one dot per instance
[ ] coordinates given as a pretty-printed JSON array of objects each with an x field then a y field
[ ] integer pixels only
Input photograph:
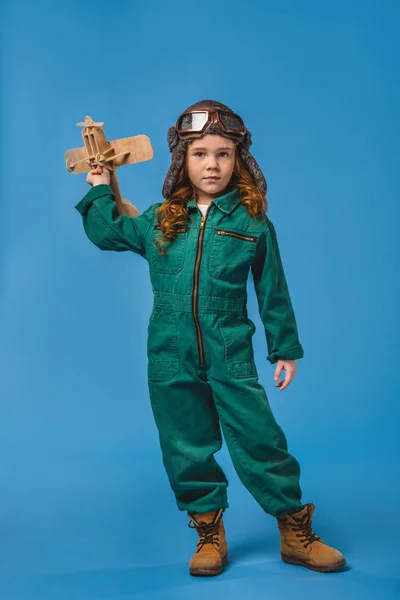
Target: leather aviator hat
[{"x": 209, "y": 117}]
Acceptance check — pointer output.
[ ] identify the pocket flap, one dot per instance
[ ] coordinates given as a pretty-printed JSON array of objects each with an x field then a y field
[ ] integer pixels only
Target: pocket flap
[{"x": 162, "y": 369}]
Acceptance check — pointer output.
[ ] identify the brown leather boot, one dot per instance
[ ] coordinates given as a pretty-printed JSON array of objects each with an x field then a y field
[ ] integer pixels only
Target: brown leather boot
[
  {"x": 300, "y": 545},
  {"x": 212, "y": 551}
]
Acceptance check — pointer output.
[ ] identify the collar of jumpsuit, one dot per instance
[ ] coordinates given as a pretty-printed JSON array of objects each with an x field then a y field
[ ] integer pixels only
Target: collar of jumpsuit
[{"x": 226, "y": 202}]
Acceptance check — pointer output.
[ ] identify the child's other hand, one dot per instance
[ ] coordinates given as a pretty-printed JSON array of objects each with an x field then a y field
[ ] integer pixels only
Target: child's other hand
[
  {"x": 98, "y": 176},
  {"x": 290, "y": 372}
]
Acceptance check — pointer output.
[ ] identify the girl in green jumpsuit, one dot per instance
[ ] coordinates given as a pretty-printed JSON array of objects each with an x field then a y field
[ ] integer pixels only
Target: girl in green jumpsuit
[{"x": 201, "y": 371}]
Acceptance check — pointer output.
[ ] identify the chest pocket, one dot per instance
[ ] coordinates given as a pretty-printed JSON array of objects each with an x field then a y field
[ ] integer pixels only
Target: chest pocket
[
  {"x": 231, "y": 255},
  {"x": 172, "y": 262}
]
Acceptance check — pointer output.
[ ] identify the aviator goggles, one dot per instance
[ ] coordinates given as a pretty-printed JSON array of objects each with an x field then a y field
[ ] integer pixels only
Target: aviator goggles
[{"x": 193, "y": 124}]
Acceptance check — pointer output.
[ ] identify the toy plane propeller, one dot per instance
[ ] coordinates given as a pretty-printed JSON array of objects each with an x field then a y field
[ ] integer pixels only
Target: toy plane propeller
[{"x": 98, "y": 152}]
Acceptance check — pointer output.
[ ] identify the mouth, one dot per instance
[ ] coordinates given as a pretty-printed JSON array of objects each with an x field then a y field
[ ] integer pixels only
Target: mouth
[{"x": 212, "y": 178}]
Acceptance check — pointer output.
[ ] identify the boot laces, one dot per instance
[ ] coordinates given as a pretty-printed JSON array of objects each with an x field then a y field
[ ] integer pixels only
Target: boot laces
[
  {"x": 208, "y": 532},
  {"x": 304, "y": 528}
]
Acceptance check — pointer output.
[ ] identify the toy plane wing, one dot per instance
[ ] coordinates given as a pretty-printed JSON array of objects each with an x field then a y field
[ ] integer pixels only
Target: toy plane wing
[{"x": 128, "y": 150}]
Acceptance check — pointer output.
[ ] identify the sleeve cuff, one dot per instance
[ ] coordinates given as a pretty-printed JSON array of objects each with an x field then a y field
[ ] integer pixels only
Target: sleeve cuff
[
  {"x": 292, "y": 353},
  {"x": 96, "y": 191}
]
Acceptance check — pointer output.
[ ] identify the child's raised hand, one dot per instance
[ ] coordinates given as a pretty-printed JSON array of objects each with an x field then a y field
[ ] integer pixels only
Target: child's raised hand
[
  {"x": 289, "y": 366},
  {"x": 98, "y": 176}
]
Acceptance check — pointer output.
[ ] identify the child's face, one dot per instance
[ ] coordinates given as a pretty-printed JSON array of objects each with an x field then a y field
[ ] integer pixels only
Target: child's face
[{"x": 211, "y": 155}]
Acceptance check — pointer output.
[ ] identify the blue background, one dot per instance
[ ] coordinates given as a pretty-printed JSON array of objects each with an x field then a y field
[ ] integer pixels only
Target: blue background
[{"x": 85, "y": 506}]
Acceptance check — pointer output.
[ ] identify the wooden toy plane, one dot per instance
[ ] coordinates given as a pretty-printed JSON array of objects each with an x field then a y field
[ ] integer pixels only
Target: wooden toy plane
[{"x": 98, "y": 152}]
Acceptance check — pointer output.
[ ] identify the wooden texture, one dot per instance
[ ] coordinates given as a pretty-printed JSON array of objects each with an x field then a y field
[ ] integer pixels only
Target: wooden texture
[{"x": 98, "y": 152}]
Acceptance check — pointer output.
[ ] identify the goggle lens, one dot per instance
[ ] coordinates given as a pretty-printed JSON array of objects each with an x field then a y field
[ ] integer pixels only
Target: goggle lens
[
  {"x": 232, "y": 122},
  {"x": 193, "y": 121}
]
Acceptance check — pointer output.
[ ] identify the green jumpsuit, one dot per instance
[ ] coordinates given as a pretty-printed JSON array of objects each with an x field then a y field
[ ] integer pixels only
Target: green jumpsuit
[{"x": 201, "y": 371}]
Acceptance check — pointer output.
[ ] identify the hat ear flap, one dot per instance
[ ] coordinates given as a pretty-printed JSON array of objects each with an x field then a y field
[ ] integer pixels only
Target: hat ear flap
[
  {"x": 177, "y": 162},
  {"x": 247, "y": 141},
  {"x": 254, "y": 169},
  {"x": 172, "y": 138}
]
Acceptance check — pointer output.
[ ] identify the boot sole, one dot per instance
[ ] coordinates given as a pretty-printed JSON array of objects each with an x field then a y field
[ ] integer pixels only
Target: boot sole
[
  {"x": 209, "y": 572},
  {"x": 324, "y": 569}
]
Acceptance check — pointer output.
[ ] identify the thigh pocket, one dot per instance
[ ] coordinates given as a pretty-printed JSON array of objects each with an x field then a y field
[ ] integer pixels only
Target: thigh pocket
[
  {"x": 162, "y": 345},
  {"x": 232, "y": 254},
  {"x": 237, "y": 333},
  {"x": 172, "y": 262}
]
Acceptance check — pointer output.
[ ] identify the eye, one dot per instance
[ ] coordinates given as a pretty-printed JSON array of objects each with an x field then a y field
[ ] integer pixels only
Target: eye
[
  {"x": 224, "y": 153},
  {"x": 197, "y": 153}
]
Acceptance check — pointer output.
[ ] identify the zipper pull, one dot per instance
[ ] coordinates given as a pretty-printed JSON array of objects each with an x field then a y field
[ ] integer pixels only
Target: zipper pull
[{"x": 203, "y": 218}]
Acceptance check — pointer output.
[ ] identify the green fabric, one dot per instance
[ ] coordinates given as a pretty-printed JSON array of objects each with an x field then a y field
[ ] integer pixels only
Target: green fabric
[{"x": 190, "y": 400}]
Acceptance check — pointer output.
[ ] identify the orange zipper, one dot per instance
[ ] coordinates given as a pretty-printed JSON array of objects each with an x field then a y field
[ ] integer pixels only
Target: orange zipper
[
  {"x": 237, "y": 235},
  {"x": 196, "y": 289}
]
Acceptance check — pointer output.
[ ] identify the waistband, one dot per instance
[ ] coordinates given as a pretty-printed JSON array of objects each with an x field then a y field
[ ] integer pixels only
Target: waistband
[{"x": 205, "y": 304}]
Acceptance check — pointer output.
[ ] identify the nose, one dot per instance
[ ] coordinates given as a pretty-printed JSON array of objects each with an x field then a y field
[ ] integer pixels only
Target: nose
[{"x": 212, "y": 162}]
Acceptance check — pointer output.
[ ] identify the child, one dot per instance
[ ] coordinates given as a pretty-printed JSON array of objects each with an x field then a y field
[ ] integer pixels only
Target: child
[{"x": 201, "y": 243}]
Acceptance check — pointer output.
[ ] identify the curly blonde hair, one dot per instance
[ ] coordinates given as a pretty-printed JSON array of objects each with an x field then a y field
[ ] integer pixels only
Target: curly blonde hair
[{"x": 173, "y": 215}]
